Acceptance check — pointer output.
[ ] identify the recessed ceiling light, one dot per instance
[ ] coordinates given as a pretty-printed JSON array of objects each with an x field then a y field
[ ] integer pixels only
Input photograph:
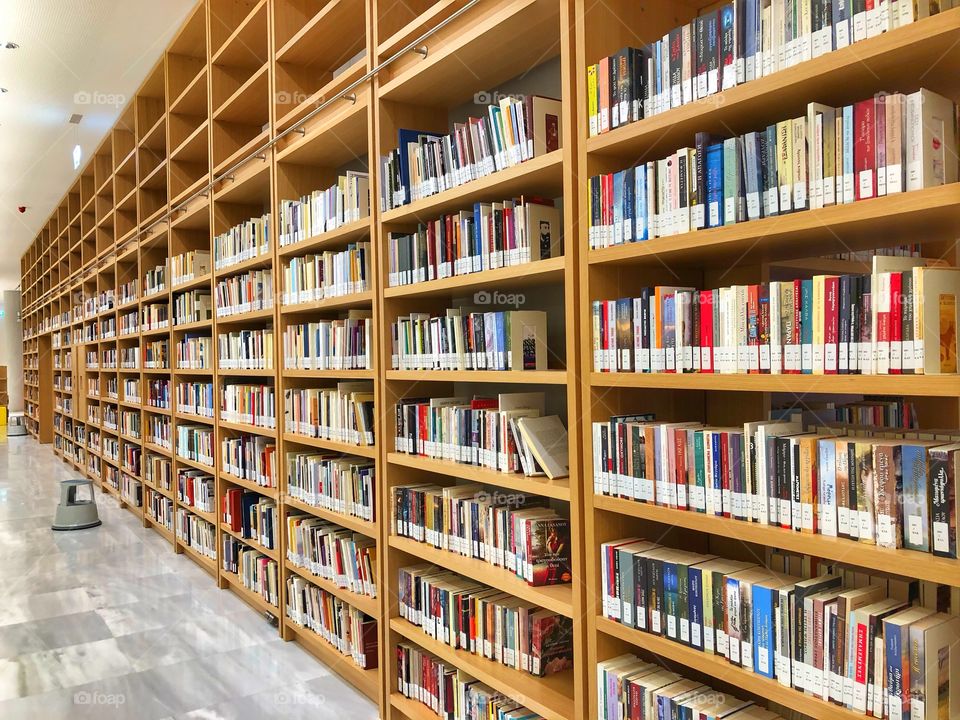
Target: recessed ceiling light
[
  {"x": 11, "y": 46},
  {"x": 3, "y": 90}
]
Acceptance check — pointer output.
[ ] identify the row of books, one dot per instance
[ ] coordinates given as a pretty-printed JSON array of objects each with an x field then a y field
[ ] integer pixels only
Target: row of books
[
  {"x": 341, "y": 484},
  {"x": 130, "y": 358},
  {"x": 159, "y": 508},
  {"x": 130, "y": 423},
  {"x": 191, "y": 307},
  {"x": 246, "y": 349},
  {"x": 892, "y": 489},
  {"x": 255, "y": 570},
  {"x": 156, "y": 354},
  {"x": 330, "y": 274},
  {"x": 509, "y": 530},
  {"x": 341, "y": 344},
  {"x": 465, "y": 340},
  {"x": 510, "y": 433},
  {"x": 158, "y": 393},
  {"x": 111, "y": 417},
  {"x": 108, "y": 359},
  {"x": 194, "y": 352},
  {"x": 323, "y": 211},
  {"x": 250, "y": 457},
  {"x": 197, "y": 489},
  {"x": 351, "y": 631},
  {"x": 127, "y": 293},
  {"x": 110, "y": 448},
  {"x": 493, "y": 235},
  {"x": 158, "y": 471},
  {"x": 131, "y": 490},
  {"x": 730, "y": 45},
  {"x": 155, "y": 316},
  {"x": 189, "y": 265},
  {"x": 252, "y": 404},
  {"x": 131, "y": 389},
  {"x": 242, "y": 242},
  {"x": 130, "y": 323},
  {"x": 343, "y": 414},
  {"x": 901, "y": 321},
  {"x": 108, "y": 328},
  {"x": 131, "y": 458},
  {"x": 424, "y": 163},
  {"x": 248, "y": 292},
  {"x": 197, "y": 533},
  {"x": 159, "y": 431},
  {"x": 883, "y": 145},
  {"x": 251, "y": 515},
  {"x": 629, "y": 688},
  {"x": 468, "y": 615},
  {"x": 155, "y": 280},
  {"x": 449, "y": 692},
  {"x": 195, "y": 398},
  {"x": 195, "y": 442},
  {"x": 340, "y": 556},
  {"x": 853, "y": 645}
]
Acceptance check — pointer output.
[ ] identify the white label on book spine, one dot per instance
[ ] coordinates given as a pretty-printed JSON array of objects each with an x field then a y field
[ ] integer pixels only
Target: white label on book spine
[
  {"x": 865, "y": 178},
  {"x": 941, "y": 537},
  {"x": 914, "y": 530}
]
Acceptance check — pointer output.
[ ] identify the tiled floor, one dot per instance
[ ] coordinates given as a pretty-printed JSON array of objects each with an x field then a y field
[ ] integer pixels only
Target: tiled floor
[{"x": 110, "y": 623}]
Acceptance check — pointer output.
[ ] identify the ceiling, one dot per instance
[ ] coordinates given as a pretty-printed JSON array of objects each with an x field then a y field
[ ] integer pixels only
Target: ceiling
[{"x": 75, "y": 56}]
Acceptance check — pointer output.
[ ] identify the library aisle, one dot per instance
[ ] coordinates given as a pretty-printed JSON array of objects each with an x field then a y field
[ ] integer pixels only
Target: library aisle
[{"x": 108, "y": 623}]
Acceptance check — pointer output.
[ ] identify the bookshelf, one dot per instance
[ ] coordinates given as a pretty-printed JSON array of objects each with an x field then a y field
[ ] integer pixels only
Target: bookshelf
[{"x": 259, "y": 102}]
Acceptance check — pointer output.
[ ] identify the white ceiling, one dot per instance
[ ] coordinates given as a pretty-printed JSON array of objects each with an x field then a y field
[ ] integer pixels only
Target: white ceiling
[{"x": 70, "y": 50}]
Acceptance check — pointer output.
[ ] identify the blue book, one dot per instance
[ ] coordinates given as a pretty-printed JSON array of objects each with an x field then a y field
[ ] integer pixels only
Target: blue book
[
  {"x": 640, "y": 202},
  {"x": 695, "y": 603},
  {"x": 764, "y": 635},
  {"x": 806, "y": 326},
  {"x": 670, "y": 330},
  {"x": 715, "y": 185},
  {"x": 404, "y": 138},
  {"x": 671, "y": 600},
  {"x": 750, "y": 39},
  {"x": 618, "y": 207},
  {"x": 717, "y": 474},
  {"x": 916, "y": 504},
  {"x": 629, "y": 204},
  {"x": 500, "y": 340}
]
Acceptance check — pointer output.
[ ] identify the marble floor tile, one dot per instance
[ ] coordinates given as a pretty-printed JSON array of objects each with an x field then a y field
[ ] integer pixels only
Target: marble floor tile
[{"x": 111, "y": 624}]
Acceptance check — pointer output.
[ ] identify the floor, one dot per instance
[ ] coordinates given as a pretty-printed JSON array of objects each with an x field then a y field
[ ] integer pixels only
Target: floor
[{"x": 110, "y": 623}]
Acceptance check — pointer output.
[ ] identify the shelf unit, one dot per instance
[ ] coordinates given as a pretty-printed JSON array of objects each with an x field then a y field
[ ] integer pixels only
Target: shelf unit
[{"x": 244, "y": 110}]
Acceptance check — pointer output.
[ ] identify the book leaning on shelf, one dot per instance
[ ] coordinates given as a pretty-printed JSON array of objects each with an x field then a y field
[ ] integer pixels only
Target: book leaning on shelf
[
  {"x": 466, "y": 340},
  {"x": 901, "y": 319},
  {"x": 473, "y": 617},
  {"x": 343, "y": 557},
  {"x": 865, "y": 645},
  {"x": 494, "y": 235},
  {"x": 730, "y": 45},
  {"x": 323, "y": 211},
  {"x": 450, "y": 692},
  {"x": 485, "y": 432},
  {"x": 887, "y": 144},
  {"x": 514, "y": 531},
  {"x": 424, "y": 163},
  {"x": 629, "y": 688},
  {"x": 891, "y": 488}
]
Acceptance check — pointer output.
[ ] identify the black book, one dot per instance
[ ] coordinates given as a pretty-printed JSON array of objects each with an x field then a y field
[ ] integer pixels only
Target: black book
[
  {"x": 675, "y": 50},
  {"x": 843, "y": 325}
]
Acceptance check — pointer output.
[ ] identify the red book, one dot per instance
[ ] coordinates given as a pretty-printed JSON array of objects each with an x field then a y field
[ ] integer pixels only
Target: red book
[
  {"x": 896, "y": 323},
  {"x": 831, "y": 323},
  {"x": 753, "y": 328},
  {"x": 608, "y": 200},
  {"x": 680, "y": 470},
  {"x": 422, "y": 411},
  {"x": 884, "y": 312},
  {"x": 604, "y": 340},
  {"x": 865, "y": 149},
  {"x": 451, "y": 228},
  {"x": 797, "y": 318},
  {"x": 706, "y": 331}
]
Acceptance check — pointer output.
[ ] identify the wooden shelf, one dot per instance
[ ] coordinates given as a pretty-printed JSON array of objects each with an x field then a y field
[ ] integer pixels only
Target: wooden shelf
[
  {"x": 245, "y": 428},
  {"x": 347, "y": 521},
  {"x": 558, "y": 489},
  {"x": 335, "y": 303},
  {"x": 839, "y": 228},
  {"x": 922, "y": 565},
  {"x": 343, "y": 235},
  {"x": 550, "y": 696},
  {"x": 255, "y": 600},
  {"x": 200, "y": 559},
  {"x": 909, "y": 385},
  {"x": 543, "y": 272},
  {"x": 720, "y": 669},
  {"x": 273, "y": 554},
  {"x": 558, "y": 598},
  {"x": 368, "y": 451},
  {"x": 524, "y": 377},
  {"x": 366, "y": 681},
  {"x": 272, "y": 493}
]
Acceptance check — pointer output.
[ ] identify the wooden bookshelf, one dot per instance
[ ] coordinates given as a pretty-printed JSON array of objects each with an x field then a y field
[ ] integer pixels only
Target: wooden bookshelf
[{"x": 242, "y": 112}]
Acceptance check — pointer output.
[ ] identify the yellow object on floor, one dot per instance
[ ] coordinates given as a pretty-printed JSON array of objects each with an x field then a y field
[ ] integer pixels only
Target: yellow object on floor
[{"x": 3, "y": 417}]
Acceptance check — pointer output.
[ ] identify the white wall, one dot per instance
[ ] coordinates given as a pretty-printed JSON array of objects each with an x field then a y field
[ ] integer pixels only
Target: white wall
[{"x": 11, "y": 347}]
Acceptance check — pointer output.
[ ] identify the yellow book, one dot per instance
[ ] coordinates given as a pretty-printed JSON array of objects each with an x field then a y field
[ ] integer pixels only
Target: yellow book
[
  {"x": 592, "y": 109},
  {"x": 785, "y": 164}
]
